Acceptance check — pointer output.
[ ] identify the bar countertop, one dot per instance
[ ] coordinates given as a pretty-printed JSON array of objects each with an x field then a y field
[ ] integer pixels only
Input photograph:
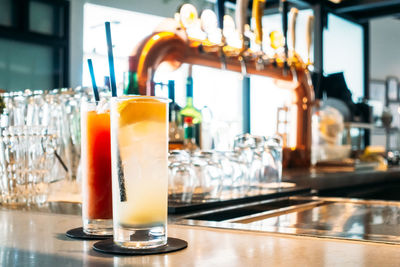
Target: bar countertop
[
  {"x": 331, "y": 178},
  {"x": 38, "y": 239}
]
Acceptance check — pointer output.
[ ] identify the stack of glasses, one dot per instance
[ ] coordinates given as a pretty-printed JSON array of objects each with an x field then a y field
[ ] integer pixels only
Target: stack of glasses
[
  {"x": 39, "y": 142},
  {"x": 254, "y": 167}
]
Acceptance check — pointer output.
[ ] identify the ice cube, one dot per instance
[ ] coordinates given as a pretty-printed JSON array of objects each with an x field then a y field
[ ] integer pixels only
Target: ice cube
[{"x": 103, "y": 106}]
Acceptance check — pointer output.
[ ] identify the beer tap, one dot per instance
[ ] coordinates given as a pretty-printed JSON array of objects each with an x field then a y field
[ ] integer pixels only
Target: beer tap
[
  {"x": 284, "y": 6},
  {"x": 172, "y": 47},
  {"x": 220, "y": 10},
  {"x": 293, "y": 57},
  {"x": 150, "y": 85},
  {"x": 257, "y": 10},
  {"x": 276, "y": 43},
  {"x": 240, "y": 15},
  {"x": 309, "y": 33},
  {"x": 209, "y": 24},
  {"x": 193, "y": 25},
  {"x": 188, "y": 16}
]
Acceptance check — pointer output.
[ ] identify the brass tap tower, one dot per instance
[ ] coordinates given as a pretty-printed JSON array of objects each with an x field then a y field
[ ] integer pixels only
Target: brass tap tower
[{"x": 174, "y": 47}]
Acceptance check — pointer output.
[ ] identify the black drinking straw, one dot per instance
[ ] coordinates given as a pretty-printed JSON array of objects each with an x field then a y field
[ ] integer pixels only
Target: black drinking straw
[
  {"x": 121, "y": 180},
  {"x": 95, "y": 91},
  {"x": 111, "y": 60}
]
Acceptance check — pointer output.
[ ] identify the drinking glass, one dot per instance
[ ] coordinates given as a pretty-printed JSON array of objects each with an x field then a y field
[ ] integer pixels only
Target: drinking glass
[
  {"x": 96, "y": 168},
  {"x": 246, "y": 145},
  {"x": 182, "y": 177},
  {"x": 235, "y": 169},
  {"x": 209, "y": 173},
  {"x": 272, "y": 162},
  {"x": 26, "y": 158},
  {"x": 139, "y": 146},
  {"x": 58, "y": 123},
  {"x": 12, "y": 158}
]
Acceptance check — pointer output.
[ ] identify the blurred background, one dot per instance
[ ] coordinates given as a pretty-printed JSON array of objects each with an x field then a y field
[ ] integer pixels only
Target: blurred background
[{"x": 45, "y": 44}]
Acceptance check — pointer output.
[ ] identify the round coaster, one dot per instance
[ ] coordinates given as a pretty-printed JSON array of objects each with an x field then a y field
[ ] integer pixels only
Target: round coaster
[
  {"x": 108, "y": 246},
  {"x": 78, "y": 233}
]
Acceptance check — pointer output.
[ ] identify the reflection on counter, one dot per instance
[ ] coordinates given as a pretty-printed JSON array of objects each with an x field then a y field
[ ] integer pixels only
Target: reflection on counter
[{"x": 363, "y": 220}]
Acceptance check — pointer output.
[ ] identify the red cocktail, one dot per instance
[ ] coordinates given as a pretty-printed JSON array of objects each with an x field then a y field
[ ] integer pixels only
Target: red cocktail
[{"x": 96, "y": 170}]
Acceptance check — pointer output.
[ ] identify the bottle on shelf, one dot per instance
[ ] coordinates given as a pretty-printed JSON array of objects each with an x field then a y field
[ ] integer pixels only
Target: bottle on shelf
[
  {"x": 175, "y": 133},
  {"x": 189, "y": 142},
  {"x": 131, "y": 85},
  {"x": 189, "y": 110}
]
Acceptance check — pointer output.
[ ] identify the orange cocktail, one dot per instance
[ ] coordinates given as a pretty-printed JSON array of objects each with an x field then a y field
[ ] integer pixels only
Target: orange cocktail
[{"x": 96, "y": 169}]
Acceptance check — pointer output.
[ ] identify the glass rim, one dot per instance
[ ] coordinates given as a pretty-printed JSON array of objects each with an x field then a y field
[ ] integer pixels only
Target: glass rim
[
  {"x": 87, "y": 105},
  {"x": 140, "y": 97}
]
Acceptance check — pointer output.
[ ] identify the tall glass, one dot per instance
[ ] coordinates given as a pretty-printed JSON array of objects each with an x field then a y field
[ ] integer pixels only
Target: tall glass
[
  {"x": 139, "y": 148},
  {"x": 96, "y": 168}
]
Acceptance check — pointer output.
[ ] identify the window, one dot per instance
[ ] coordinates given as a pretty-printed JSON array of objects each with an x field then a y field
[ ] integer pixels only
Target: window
[
  {"x": 343, "y": 52},
  {"x": 5, "y": 12},
  {"x": 125, "y": 32},
  {"x": 42, "y": 18},
  {"x": 265, "y": 96},
  {"x": 34, "y": 45},
  {"x": 25, "y": 66}
]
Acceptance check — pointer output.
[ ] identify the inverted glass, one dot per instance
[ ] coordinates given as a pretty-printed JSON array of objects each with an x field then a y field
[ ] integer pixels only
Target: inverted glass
[
  {"x": 139, "y": 149},
  {"x": 96, "y": 168}
]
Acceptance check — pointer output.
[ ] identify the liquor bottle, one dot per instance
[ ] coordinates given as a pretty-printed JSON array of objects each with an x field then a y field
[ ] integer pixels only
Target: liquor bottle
[
  {"x": 175, "y": 133},
  {"x": 189, "y": 110},
  {"x": 131, "y": 85},
  {"x": 189, "y": 142}
]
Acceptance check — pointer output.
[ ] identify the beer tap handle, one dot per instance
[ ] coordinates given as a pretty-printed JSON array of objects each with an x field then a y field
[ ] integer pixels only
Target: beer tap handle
[
  {"x": 284, "y": 6},
  {"x": 309, "y": 33},
  {"x": 240, "y": 17},
  {"x": 220, "y": 10},
  {"x": 292, "y": 29},
  {"x": 258, "y": 8},
  {"x": 284, "y": 10}
]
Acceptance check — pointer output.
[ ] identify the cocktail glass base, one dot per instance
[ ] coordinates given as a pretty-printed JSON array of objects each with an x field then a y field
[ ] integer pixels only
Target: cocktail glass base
[
  {"x": 98, "y": 226},
  {"x": 140, "y": 237}
]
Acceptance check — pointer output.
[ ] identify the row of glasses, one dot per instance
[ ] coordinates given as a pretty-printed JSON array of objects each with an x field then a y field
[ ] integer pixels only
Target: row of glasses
[
  {"x": 254, "y": 166},
  {"x": 26, "y": 158},
  {"x": 40, "y": 108},
  {"x": 194, "y": 177},
  {"x": 57, "y": 114},
  {"x": 263, "y": 157}
]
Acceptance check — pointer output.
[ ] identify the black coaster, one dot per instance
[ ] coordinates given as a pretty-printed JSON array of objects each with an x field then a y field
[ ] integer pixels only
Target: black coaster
[
  {"x": 108, "y": 246},
  {"x": 78, "y": 233}
]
